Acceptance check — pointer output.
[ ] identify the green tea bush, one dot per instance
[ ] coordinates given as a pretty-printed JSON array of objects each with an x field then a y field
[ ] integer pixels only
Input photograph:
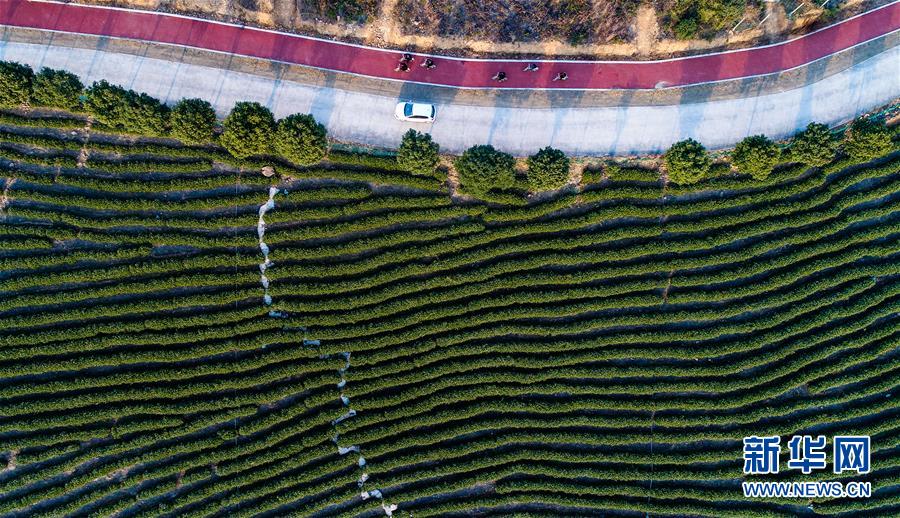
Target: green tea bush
[
  {"x": 248, "y": 130},
  {"x": 362, "y": 159},
  {"x": 548, "y": 169},
  {"x": 193, "y": 121},
  {"x": 687, "y": 162},
  {"x": 57, "y": 88},
  {"x": 15, "y": 84},
  {"x": 418, "y": 154},
  {"x": 482, "y": 168},
  {"x": 300, "y": 139},
  {"x": 756, "y": 156}
]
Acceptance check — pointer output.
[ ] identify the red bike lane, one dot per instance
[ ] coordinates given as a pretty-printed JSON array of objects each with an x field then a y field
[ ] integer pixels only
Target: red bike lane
[{"x": 465, "y": 73}]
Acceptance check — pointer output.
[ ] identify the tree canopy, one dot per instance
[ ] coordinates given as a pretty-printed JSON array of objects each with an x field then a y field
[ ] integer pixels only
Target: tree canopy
[
  {"x": 57, "y": 88},
  {"x": 193, "y": 121},
  {"x": 756, "y": 156},
  {"x": 300, "y": 139},
  {"x": 127, "y": 110},
  {"x": 548, "y": 169},
  {"x": 16, "y": 82},
  {"x": 418, "y": 154},
  {"x": 814, "y": 146},
  {"x": 482, "y": 168},
  {"x": 248, "y": 130},
  {"x": 867, "y": 139},
  {"x": 687, "y": 162}
]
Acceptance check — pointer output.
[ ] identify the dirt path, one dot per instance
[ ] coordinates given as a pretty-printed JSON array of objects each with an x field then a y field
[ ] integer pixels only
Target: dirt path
[
  {"x": 776, "y": 22},
  {"x": 4, "y": 198},
  {"x": 381, "y": 31},
  {"x": 11, "y": 461},
  {"x": 84, "y": 153},
  {"x": 665, "y": 294},
  {"x": 646, "y": 29}
]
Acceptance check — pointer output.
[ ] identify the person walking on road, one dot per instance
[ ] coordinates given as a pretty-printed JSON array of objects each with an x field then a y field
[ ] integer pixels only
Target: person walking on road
[
  {"x": 499, "y": 77},
  {"x": 428, "y": 63},
  {"x": 402, "y": 67},
  {"x": 532, "y": 67},
  {"x": 562, "y": 76}
]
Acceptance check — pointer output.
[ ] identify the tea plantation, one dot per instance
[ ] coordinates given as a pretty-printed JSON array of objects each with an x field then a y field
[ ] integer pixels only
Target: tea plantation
[{"x": 173, "y": 343}]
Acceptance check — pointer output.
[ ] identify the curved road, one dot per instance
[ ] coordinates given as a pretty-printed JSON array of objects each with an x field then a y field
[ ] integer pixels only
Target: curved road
[
  {"x": 872, "y": 79},
  {"x": 461, "y": 73}
]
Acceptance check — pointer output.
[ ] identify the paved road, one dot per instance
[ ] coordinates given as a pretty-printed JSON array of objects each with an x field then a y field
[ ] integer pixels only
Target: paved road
[
  {"x": 465, "y": 73},
  {"x": 368, "y": 118}
]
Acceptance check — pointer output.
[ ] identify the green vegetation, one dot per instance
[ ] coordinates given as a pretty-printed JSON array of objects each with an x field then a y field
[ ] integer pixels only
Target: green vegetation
[
  {"x": 549, "y": 345},
  {"x": 687, "y": 162},
  {"x": 15, "y": 83},
  {"x": 690, "y": 19},
  {"x": 483, "y": 168},
  {"x": 126, "y": 110},
  {"x": 300, "y": 139},
  {"x": 418, "y": 154},
  {"x": 815, "y": 146},
  {"x": 866, "y": 139},
  {"x": 248, "y": 130},
  {"x": 756, "y": 156},
  {"x": 193, "y": 121},
  {"x": 548, "y": 169},
  {"x": 57, "y": 89},
  {"x": 354, "y": 11}
]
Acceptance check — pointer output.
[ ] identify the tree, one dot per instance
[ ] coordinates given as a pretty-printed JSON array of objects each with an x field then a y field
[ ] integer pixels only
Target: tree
[
  {"x": 686, "y": 28},
  {"x": 548, "y": 169},
  {"x": 248, "y": 130},
  {"x": 300, "y": 139},
  {"x": 418, "y": 154},
  {"x": 106, "y": 103},
  {"x": 57, "y": 88},
  {"x": 16, "y": 82},
  {"x": 756, "y": 156},
  {"x": 815, "y": 146},
  {"x": 193, "y": 121},
  {"x": 482, "y": 168},
  {"x": 687, "y": 162},
  {"x": 866, "y": 140},
  {"x": 149, "y": 115},
  {"x": 126, "y": 110}
]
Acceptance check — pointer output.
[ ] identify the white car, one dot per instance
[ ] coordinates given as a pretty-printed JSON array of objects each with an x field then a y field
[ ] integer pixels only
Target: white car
[{"x": 414, "y": 112}]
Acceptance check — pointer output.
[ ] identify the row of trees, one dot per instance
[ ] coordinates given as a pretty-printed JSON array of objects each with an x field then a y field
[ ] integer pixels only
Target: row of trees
[
  {"x": 56, "y": 88},
  {"x": 865, "y": 139},
  {"x": 251, "y": 129},
  {"x": 483, "y": 168},
  {"x": 190, "y": 120}
]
